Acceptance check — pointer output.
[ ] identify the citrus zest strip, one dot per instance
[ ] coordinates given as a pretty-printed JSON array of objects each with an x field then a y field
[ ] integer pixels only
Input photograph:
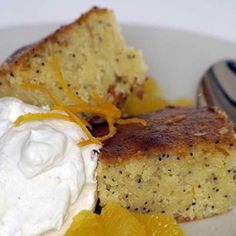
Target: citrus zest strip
[
  {"x": 39, "y": 116},
  {"x": 42, "y": 88},
  {"x": 112, "y": 130},
  {"x": 61, "y": 81},
  {"x": 77, "y": 120},
  {"x": 112, "y": 110},
  {"x": 87, "y": 142},
  {"x": 86, "y": 123},
  {"x": 65, "y": 109}
]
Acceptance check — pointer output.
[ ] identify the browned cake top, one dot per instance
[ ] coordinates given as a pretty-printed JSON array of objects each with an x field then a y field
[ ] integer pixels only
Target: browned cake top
[{"x": 170, "y": 129}]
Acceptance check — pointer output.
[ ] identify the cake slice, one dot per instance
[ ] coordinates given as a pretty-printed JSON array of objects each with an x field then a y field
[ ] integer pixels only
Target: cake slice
[
  {"x": 91, "y": 55},
  {"x": 183, "y": 164}
]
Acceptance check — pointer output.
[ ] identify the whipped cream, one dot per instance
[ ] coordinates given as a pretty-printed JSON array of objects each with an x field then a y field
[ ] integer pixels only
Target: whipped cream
[{"x": 45, "y": 177}]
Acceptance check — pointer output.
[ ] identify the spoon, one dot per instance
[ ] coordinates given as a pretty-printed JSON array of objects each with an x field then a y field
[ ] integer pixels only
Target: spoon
[{"x": 218, "y": 88}]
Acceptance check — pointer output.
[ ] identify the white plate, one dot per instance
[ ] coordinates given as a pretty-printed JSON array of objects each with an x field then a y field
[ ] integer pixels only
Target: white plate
[{"x": 177, "y": 59}]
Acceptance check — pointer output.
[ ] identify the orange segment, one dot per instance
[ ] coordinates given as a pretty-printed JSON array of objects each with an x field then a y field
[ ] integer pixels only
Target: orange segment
[
  {"x": 85, "y": 224},
  {"x": 159, "y": 225},
  {"x": 117, "y": 221}
]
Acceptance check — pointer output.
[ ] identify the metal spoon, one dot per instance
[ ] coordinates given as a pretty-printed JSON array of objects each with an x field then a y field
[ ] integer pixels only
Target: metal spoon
[{"x": 218, "y": 88}]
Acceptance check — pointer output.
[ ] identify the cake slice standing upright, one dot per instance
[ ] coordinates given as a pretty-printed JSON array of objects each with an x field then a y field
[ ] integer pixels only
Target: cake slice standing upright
[{"x": 88, "y": 56}]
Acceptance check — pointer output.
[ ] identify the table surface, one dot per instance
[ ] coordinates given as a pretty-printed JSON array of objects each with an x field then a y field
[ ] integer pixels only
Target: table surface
[{"x": 216, "y": 18}]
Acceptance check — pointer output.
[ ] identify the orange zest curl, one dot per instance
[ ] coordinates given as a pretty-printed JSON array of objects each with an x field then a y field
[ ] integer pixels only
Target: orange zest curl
[
  {"x": 99, "y": 107},
  {"x": 86, "y": 123},
  {"x": 112, "y": 130},
  {"x": 108, "y": 109},
  {"x": 77, "y": 120},
  {"x": 67, "y": 109},
  {"x": 62, "y": 82},
  {"x": 41, "y": 88},
  {"x": 39, "y": 116}
]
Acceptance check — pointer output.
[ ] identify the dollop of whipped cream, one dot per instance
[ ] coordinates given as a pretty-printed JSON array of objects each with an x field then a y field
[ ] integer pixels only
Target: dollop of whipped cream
[{"x": 45, "y": 177}]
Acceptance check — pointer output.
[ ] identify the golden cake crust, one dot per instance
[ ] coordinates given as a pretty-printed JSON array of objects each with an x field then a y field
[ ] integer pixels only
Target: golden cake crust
[{"x": 168, "y": 130}]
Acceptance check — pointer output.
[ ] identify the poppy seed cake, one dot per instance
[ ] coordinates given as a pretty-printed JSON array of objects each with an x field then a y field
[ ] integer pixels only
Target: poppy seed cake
[
  {"x": 92, "y": 55},
  {"x": 182, "y": 164}
]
